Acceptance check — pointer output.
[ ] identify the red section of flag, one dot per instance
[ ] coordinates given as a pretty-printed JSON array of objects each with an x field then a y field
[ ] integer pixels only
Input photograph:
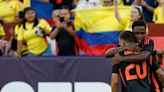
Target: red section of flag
[{"x": 96, "y": 50}]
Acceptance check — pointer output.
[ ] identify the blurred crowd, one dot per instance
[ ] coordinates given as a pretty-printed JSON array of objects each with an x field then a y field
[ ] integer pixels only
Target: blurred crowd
[{"x": 31, "y": 35}]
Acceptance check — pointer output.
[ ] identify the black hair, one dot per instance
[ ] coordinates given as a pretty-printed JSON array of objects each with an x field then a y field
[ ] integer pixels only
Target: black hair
[
  {"x": 64, "y": 7},
  {"x": 36, "y": 20},
  {"x": 140, "y": 13},
  {"x": 138, "y": 23},
  {"x": 127, "y": 36},
  {"x": 1, "y": 22}
]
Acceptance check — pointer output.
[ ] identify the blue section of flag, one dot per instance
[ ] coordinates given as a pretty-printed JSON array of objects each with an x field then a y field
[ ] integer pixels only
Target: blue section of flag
[
  {"x": 101, "y": 38},
  {"x": 44, "y": 10}
]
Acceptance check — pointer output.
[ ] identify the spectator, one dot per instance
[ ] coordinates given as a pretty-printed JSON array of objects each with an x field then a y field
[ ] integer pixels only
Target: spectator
[
  {"x": 88, "y": 3},
  {"x": 64, "y": 33},
  {"x": 147, "y": 13},
  {"x": 110, "y": 2},
  {"x": 55, "y": 16},
  {"x": 58, "y": 3},
  {"x": 26, "y": 3},
  {"x": 159, "y": 12},
  {"x": 107, "y": 3},
  {"x": 136, "y": 14},
  {"x": 9, "y": 8},
  {"x": 2, "y": 43},
  {"x": 32, "y": 32},
  {"x": 13, "y": 48},
  {"x": 2, "y": 32}
]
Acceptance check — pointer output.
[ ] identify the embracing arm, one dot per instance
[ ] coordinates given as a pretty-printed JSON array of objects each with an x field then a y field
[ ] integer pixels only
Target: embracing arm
[
  {"x": 131, "y": 58},
  {"x": 111, "y": 52}
]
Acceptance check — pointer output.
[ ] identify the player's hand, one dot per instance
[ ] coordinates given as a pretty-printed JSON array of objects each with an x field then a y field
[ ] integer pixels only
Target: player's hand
[
  {"x": 116, "y": 59},
  {"x": 133, "y": 47}
]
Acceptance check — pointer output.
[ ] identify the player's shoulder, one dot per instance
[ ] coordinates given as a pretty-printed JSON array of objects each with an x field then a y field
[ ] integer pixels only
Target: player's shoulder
[{"x": 148, "y": 41}]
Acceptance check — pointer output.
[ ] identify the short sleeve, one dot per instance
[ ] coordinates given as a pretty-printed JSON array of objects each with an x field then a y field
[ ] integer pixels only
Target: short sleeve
[
  {"x": 156, "y": 11},
  {"x": 115, "y": 69},
  {"x": 124, "y": 20},
  {"x": 149, "y": 47},
  {"x": 44, "y": 24},
  {"x": 20, "y": 35}
]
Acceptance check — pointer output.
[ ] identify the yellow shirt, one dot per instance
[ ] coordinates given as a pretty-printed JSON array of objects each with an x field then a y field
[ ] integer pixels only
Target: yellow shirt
[
  {"x": 35, "y": 44},
  {"x": 24, "y": 50},
  {"x": 26, "y": 3},
  {"x": 2, "y": 32},
  {"x": 158, "y": 16},
  {"x": 127, "y": 23},
  {"x": 8, "y": 10}
]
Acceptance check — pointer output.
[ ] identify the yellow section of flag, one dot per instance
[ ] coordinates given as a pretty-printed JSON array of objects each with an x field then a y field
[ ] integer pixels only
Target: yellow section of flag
[{"x": 101, "y": 19}]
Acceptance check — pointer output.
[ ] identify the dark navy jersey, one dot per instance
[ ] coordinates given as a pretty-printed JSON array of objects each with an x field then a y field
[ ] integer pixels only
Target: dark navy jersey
[
  {"x": 156, "y": 85},
  {"x": 134, "y": 76}
]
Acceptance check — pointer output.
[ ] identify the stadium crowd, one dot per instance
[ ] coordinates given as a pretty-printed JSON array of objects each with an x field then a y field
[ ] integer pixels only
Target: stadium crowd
[{"x": 16, "y": 15}]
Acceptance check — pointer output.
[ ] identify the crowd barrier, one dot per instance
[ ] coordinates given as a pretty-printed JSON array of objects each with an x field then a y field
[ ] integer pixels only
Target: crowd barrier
[{"x": 45, "y": 72}]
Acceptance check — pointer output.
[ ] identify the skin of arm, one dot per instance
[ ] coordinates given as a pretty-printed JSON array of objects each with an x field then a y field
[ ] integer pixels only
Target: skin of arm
[
  {"x": 111, "y": 52},
  {"x": 148, "y": 7},
  {"x": 116, "y": 11},
  {"x": 162, "y": 3},
  {"x": 132, "y": 58},
  {"x": 70, "y": 31},
  {"x": 114, "y": 82},
  {"x": 160, "y": 73},
  {"x": 54, "y": 33},
  {"x": 19, "y": 46}
]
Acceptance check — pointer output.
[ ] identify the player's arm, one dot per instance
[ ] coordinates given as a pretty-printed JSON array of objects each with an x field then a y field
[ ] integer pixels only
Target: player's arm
[
  {"x": 114, "y": 82},
  {"x": 155, "y": 67},
  {"x": 158, "y": 70},
  {"x": 147, "y": 50},
  {"x": 111, "y": 52},
  {"x": 131, "y": 58},
  {"x": 160, "y": 75}
]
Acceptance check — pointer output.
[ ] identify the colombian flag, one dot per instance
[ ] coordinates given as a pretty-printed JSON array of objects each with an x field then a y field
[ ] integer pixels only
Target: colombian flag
[{"x": 97, "y": 29}]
